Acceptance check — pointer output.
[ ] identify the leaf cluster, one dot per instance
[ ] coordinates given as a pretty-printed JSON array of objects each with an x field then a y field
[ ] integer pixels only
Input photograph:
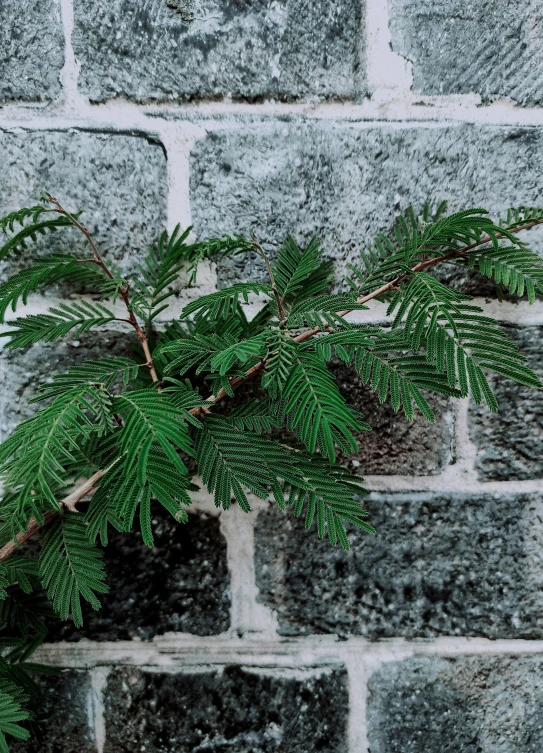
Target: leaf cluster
[{"x": 151, "y": 427}]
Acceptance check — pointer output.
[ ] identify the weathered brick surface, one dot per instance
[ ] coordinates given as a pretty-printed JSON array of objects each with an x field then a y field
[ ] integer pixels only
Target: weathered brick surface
[
  {"x": 179, "y": 585},
  {"x": 396, "y": 445},
  {"x": 23, "y": 370},
  {"x": 146, "y": 51},
  {"x": 464, "y": 46},
  {"x": 118, "y": 180},
  {"x": 32, "y": 44},
  {"x": 510, "y": 443},
  {"x": 63, "y": 716},
  {"x": 440, "y": 564},
  {"x": 459, "y": 705},
  {"x": 343, "y": 182},
  {"x": 240, "y": 710}
]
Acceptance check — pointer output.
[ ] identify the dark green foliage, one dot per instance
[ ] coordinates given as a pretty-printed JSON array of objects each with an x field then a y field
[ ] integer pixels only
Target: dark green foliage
[
  {"x": 145, "y": 428},
  {"x": 79, "y": 317},
  {"x": 71, "y": 567}
]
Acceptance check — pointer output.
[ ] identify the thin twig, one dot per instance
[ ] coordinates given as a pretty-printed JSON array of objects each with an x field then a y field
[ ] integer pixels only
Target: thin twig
[
  {"x": 123, "y": 291},
  {"x": 69, "y": 503},
  {"x": 308, "y": 334},
  {"x": 71, "y": 500},
  {"x": 260, "y": 251}
]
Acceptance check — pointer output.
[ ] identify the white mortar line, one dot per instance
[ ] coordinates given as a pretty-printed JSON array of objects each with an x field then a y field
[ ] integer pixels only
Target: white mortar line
[
  {"x": 521, "y": 313},
  {"x": 97, "y": 721},
  {"x": 384, "y": 110},
  {"x": 388, "y": 75},
  {"x": 449, "y": 482},
  {"x": 247, "y": 616},
  {"x": 187, "y": 651},
  {"x": 72, "y": 102}
]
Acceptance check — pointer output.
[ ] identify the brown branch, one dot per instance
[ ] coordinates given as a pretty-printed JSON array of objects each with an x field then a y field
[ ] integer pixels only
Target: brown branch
[
  {"x": 123, "y": 291},
  {"x": 260, "y": 251},
  {"x": 309, "y": 333},
  {"x": 74, "y": 497},
  {"x": 69, "y": 503}
]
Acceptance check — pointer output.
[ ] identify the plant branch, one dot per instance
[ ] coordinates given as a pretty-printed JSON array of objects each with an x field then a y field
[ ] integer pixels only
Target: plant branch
[
  {"x": 69, "y": 503},
  {"x": 308, "y": 334},
  {"x": 260, "y": 251},
  {"x": 123, "y": 291},
  {"x": 75, "y": 496}
]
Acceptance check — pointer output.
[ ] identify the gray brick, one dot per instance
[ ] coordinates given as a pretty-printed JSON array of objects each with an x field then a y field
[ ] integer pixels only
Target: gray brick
[
  {"x": 118, "y": 180},
  {"x": 146, "y": 51},
  {"x": 465, "y": 46},
  {"x": 343, "y": 182},
  {"x": 63, "y": 716},
  {"x": 396, "y": 445},
  {"x": 32, "y": 44},
  {"x": 510, "y": 443},
  {"x": 179, "y": 585},
  {"x": 440, "y": 564},
  {"x": 23, "y": 370},
  {"x": 459, "y": 705},
  {"x": 235, "y": 709}
]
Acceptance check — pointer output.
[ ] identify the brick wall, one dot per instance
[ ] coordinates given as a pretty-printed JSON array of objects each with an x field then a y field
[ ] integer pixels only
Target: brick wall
[{"x": 244, "y": 633}]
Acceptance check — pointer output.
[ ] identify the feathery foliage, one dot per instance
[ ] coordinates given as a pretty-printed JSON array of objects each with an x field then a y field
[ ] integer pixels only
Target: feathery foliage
[{"x": 113, "y": 436}]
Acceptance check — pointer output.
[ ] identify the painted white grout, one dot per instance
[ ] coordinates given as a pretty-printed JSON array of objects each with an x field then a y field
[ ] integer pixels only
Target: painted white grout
[
  {"x": 248, "y": 617},
  {"x": 388, "y": 75},
  {"x": 72, "y": 101},
  {"x": 97, "y": 722},
  {"x": 183, "y": 651},
  {"x": 387, "y": 108}
]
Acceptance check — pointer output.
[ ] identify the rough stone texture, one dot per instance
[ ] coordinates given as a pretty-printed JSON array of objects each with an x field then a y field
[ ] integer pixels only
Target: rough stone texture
[
  {"x": 465, "y": 705},
  {"x": 343, "y": 182},
  {"x": 118, "y": 180},
  {"x": 32, "y": 44},
  {"x": 240, "y": 710},
  {"x": 440, "y": 564},
  {"x": 63, "y": 717},
  {"x": 284, "y": 49},
  {"x": 510, "y": 443},
  {"x": 396, "y": 445},
  {"x": 464, "y": 46},
  {"x": 23, "y": 370},
  {"x": 179, "y": 585}
]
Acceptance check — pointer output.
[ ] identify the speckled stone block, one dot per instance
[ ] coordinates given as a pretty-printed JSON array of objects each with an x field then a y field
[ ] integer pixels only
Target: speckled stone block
[
  {"x": 243, "y": 710},
  {"x": 471, "y": 46},
  {"x": 510, "y": 443},
  {"x": 156, "y": 50},
  {"x": 23, "y": 370},
  {"x": 63, "y": 717},
  {"x": 180, "y": 585},
  {"x": 440, "y": 564},
  {"x": 32, "y": 50},
  {"x": 461, "y": 705},
  {"x": 118, "y": 180},
  {"x": 396, "y": 445},
  {"x": 344, "y": 181}
]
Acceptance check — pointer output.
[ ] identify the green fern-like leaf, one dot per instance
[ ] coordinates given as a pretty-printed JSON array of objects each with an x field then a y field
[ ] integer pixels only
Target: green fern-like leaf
[
  {"x": 46, "y": 272},
  {"x": 36, "y": 460},
  {"x": 71, "y": 567},
  {"x": 230, "y": 459},
  {"x": 11, "y": 712},
  {"x": 316, "y": 409},
  {"x": 224, "y": 302},
  {"x": 459, "y": 340},
  {"x": 103, "y": 372},
  {"x": 77, "y": 317},
  {"x": 323, "y": 310},
  {"x": 32, "y": 225}
]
